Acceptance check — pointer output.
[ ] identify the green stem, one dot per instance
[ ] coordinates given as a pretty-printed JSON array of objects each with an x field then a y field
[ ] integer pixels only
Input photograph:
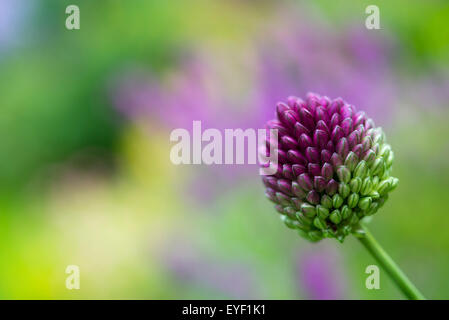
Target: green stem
[{"x": 406, "y": 286}]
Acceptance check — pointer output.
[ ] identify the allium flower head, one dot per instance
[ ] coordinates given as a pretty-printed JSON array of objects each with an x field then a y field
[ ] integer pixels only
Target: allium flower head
[{"x": 333, "y": 166}]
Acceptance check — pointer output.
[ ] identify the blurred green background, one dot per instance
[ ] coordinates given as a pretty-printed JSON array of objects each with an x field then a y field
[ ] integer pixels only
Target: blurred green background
[{"x": 85, "y": 118}]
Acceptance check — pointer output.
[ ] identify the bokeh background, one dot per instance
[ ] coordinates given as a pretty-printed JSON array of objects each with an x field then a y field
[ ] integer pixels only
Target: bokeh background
[{"x": 85, "y": 119}]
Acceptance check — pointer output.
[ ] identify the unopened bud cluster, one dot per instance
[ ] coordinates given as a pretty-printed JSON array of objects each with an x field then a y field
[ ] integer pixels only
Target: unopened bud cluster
[{"x": 333, "y": 166}]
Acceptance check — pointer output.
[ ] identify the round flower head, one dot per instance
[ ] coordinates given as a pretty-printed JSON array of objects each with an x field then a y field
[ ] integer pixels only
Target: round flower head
[{"x": 333, "y": 166}]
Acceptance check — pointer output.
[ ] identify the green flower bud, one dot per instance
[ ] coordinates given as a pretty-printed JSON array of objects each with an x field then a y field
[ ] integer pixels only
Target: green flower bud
[
  {"x": 377, "y": 165},
  {"x": 375, "y": 148},
  {"x": 384, "y": 173},
  {"x": 337, "y": 201},
  {"x": 353, "y": 200},
  {"x": 372, "y": 208},
  {"x": 382, "y": 200},
  {"x": 390, "y": 159},
  {"x": 360, "y": 169},
  {"x": 394, "y": 183},
  {"x": 343, "y": 190},
  {"x": 291, "y": 212},
  {"x": 344, "y": 175},
  {"x": 305, "y": 227},
  {"x": 355, "y": 184},
  {"x": 375, "y": 195},
  {"x": 378, "y": 136},
  {"x": 292, "y": 224},
  {"x": 345, "y": 212},
  {"x": 385, "y": 151},
  {"x": 322, "y": 212},
  {"x": 298, "y": 191},
  {"x": 283, "y": 199},
  {"x": 315, "y": 235},
  {"x": 367, "y": 142},
  {"x": 335, "y": 216},
  {"x": 375, "y": 181},
  {"x": 305, "y": 221},
  {"x": 366, "y": 186},
  {"x": 327, "y": 233},
  {"x": 303, "y": 234},
  {"x": 369, "y": 157},
  {"x": 346, "y": 230},
  {"x": 384, "y": 186},
  {"x": 308, "y": 210},
  {"x": 351, "y": 161},
  {"x": 354, "y": 219},
  {"x": 320, "y": 224},
  {"x": 326, "y": 201},
  {"x": 365, "y": 203}
]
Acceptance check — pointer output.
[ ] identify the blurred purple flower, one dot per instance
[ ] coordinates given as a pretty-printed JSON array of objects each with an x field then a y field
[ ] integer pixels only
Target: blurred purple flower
[
  {"x": 303, "y": 55},
  {"x": 13, "y": 19},
  {"x": 233, "y": 89},
  {"x": 320, "y": 275},
  {"x": 295, "y": 53},
  {"x": 225, "y": 277}
]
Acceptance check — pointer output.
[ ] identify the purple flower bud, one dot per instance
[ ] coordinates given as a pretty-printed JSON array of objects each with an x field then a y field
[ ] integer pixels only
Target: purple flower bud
[
  {"x": 320, "y": 138},
  {"x": 337, "y": 134},
  {"x": 314, "y": 169},
  {"x": 285, "y": 186},
  {"x": 292, "y": 100},
  {"x": 319, "y": 183},
  {"x": 271, "y": 194},
  {"x": 336, "y": 160},
  {"x": 295, "y": 156},
  {"x": 307, "y": 119},
  {"x": 298, "y": 170},
  {"x": 270, "y": 182},
  {"x": 333, "y": 166},
  {"x": 304, "y": 141},
  {"x": 326, "y": 156},
  {"x": 305, "y": 182},
  {"x": 330, "y": 146},
  {"x": 354, "y": 138},
  {"x": 321, "y": 114},
  {"x": 335, "y": 105},
  {"x": 287, "y": 171},
  {"x": 346, "y": 112},
  {"x": 281, "y": 108},
  {"x": 299, "y": 129},
  {"x": 359, "y": 118},
  {"x": 327, "y": 171},
  {"x": 297, "y": 203},
  {"x": 332, "y": 187},
  {"x": 358, "y": 149},
  {"x": 369, "y": 157},
  {"x": 297, "y": 190},
  {"x": 321, "y": 125},
  {"x": 367, "y": 142},
  {"x": 277, "y": 125},
  {"x": 369, "y": 124},
  {"x": 288, "y": 118},
  {"x": 283, "y": 199},
  {"x": 289, "y": 142},
  {"x": 346, "y": 125},
  {"x": 313, "y": 197},
  {"x": 343, "y": 147},
  {"x": 312, "y": 155}
]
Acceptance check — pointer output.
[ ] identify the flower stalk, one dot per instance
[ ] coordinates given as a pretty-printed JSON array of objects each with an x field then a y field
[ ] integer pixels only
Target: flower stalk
[
  {"x": 333, "y": 174},
  {"x": 393, "y": 270}
]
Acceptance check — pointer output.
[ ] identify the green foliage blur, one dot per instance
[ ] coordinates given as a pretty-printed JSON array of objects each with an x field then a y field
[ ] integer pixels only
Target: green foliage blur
[{"x": 82, "y": 184}]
